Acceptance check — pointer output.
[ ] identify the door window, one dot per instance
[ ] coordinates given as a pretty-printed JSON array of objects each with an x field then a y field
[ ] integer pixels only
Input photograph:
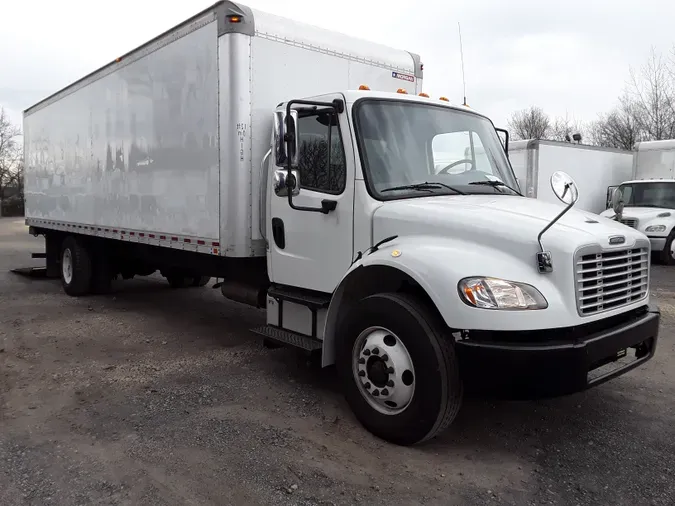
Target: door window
[{"x": 321, "y": 160}]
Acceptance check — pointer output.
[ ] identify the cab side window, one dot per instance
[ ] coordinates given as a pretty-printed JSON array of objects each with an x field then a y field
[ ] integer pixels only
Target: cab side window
[{"x": 321, "y": 160}]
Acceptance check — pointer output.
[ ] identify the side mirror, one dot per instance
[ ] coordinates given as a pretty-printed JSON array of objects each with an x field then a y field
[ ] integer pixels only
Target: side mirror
[
  {"x": 281, "y": 182},
  {"x": 285, "y": 137},
  {"x": 504, "y": 137},
  {"x": 617, "y": 201},
  {"x": 564, "y": 188}
]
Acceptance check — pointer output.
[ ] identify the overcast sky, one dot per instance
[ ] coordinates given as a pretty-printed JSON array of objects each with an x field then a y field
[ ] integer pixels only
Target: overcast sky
[{"x": 565, "y": 56}]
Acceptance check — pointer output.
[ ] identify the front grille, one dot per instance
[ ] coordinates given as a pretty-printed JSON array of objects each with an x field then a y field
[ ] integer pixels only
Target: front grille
[
  {"x": 611, "y": 279},
  {"x": 631, "y": 222}
]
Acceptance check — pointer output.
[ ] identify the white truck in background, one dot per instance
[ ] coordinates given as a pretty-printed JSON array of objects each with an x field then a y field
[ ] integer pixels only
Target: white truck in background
[
  {"x": 237, "y": 146},
  {"x": 592, "y": 167},
  {"x": 648, "y": 196}
]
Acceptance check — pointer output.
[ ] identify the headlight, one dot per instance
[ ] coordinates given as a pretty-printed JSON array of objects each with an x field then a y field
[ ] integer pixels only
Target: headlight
[
  {"x": 655, "y": 228},
  {"x": 493, "y": 293}
]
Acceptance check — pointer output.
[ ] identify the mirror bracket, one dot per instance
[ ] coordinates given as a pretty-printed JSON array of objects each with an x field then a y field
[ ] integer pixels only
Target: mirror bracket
[{"x": 545, "y": 258}]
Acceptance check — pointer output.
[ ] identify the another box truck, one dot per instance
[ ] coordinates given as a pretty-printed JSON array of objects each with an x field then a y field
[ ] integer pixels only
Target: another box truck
[
  {"x": 648, "y": 196},
  {"x": 248, "y": 147},
  {"x": 592, "y": 167}
]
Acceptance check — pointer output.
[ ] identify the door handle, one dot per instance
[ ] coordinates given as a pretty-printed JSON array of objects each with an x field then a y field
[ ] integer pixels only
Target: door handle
[
  {"x": 328, "y": 205},
  {"x": 279, "y": 233}
]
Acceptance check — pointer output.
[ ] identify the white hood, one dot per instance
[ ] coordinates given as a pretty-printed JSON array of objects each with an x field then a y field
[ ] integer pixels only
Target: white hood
[{"x": 508, "y": 223}]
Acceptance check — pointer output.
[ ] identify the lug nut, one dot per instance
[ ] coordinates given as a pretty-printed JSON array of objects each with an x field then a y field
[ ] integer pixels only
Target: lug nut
[
  {"x": 390, "y": 383},
  {"x": 362, "y": 373},
  {"x": 385, "y": 391},
  {"x": 376, "y": 351},
  {"x": 366, "y": 352},
  {"x": 385, "y": 357},
  {"x": 376, "y": 393},
  {"x": 362, "y": 360},
  {"x": 367, "y": 385},
  {"x": 390, "y": 370}
]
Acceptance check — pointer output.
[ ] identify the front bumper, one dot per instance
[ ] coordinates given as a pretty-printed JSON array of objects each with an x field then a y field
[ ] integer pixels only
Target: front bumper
[
  {"x": 560, "y": 361},
  {"x": 658, "y": 243}
]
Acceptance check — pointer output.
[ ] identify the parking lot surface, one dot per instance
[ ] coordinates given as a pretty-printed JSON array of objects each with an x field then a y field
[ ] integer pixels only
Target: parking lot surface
[{"x": 157, "y": 396}]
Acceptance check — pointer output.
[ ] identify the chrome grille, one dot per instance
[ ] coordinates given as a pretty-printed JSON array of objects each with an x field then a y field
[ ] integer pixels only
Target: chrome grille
[
  {"x": 611, "y": 279},
  {"x": 630, "y": 222}
]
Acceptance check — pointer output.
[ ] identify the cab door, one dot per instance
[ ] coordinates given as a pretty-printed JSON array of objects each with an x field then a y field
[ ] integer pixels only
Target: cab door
[{"x": 313, "y": 249}]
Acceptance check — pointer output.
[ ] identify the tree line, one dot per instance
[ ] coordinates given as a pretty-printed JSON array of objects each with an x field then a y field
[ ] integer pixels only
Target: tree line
[
  {"x": 645, "y": 111},
  {"x": 11, "y": 164}
]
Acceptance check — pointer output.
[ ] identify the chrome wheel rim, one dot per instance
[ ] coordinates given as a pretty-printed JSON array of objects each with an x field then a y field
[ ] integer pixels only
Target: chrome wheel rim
[
  {"x": 383, "y": 370},
  {"x": 67, "y": 266}
]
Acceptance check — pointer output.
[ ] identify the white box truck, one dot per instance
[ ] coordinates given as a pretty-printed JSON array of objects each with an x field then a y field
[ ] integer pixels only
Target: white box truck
[
  {"x": 237, "y": 146},
  {"x": 648, "y": 196},
  {"x": 592, "y": 167}
]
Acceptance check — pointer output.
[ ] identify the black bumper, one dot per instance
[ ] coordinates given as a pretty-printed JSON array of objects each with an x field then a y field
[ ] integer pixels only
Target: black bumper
[{"x": 561, "y": 361}]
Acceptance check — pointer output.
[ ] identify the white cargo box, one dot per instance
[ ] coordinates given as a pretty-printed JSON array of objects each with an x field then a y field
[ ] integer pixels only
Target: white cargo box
[
  {"x": 593, "y": 168},
  {"x": 165, "y": 144}
]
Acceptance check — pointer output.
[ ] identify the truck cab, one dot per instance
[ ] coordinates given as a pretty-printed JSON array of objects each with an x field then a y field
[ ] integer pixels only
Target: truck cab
[
  {"x": 648, "y": 199},
  {"x": 418, "y": 280},
  {"x": 649, "y": 206}
]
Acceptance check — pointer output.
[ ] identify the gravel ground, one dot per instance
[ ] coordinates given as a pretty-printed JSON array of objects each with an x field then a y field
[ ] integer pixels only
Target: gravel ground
[{"x": 160, "y": 396}]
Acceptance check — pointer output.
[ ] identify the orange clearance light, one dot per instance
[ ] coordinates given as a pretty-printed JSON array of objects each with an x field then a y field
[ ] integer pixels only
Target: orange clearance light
[
  {"x": 234, "y": 19},
  {"x": 117, "y": 60},
  {"x": 402, "y": 90},
  {"x": 425, "y": 95},
  {"x": 364, "y": 87},
  {"x": 444, "y": 99}
]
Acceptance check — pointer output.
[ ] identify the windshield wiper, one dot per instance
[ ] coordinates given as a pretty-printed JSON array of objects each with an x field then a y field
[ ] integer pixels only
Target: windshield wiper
[
  {"x": 426, "y": 186},
  {"x": 496, "y": 184}
]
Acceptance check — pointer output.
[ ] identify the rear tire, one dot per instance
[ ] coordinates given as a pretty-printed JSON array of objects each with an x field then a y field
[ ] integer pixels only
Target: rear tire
[
  {"x": 75, "y": 267},
  {"x": 178, "y": 280},
  {"x": 408, "y": 337},
  {"x": 200, "y": 280}
]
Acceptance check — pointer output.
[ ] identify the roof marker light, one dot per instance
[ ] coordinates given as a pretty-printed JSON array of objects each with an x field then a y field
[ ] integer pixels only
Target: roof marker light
[
  {"x": 425, "y": 95},
  {"x": 364, "y": 87},
  {"x": 402, "y": 90},
  {"x": 444, "y": 99}
]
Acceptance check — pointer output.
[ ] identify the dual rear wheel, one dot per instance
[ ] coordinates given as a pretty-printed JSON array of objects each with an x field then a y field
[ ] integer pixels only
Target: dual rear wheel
[{"x": 85, "y": 268}]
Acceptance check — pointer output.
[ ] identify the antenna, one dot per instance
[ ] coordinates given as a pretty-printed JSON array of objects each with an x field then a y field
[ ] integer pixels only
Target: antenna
[{"x": 461, "y": 54}]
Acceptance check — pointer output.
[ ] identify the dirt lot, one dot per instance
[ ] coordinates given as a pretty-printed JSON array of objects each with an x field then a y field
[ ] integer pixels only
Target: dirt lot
[{"x": 158, "y": 396}]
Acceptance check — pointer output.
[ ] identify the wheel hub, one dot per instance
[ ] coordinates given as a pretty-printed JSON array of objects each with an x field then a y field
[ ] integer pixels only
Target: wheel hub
[
  {"x": 383, "y": 370},
  {"x": 67, "y": 266}
]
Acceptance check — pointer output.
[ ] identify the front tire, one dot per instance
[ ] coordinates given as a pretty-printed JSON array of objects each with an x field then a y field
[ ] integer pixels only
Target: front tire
[
  {"x": 75, "y": 267},
  {"x": 398, "y": 368},
  {"x": 666, "y": 256}
]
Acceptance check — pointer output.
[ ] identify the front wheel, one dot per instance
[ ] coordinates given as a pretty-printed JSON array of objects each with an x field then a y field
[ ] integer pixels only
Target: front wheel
[
  {"x": 667, "y": 255},
  {"x": 399, "y": 369}
]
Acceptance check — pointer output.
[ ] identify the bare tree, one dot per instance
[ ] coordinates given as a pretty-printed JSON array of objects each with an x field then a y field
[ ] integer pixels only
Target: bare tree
[
  {"x": 10, "y": 151},
  {"x": 618, "y": 128},
  {"x": 563, "y": 129},
  {"x": 531, "y": 123},
  {"x": 651, "y": 95}
]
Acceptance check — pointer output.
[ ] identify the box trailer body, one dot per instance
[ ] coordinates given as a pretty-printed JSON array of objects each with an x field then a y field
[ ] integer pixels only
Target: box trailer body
[
  {"x": 649, "y": 196},
  {"x": 165, "y": 145},
  {"x": 378, "y": 227},
  {"x": 593, "y": 168}
]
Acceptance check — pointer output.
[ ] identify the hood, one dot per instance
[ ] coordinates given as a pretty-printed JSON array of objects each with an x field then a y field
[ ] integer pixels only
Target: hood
[{"x": 504, "y": 222}]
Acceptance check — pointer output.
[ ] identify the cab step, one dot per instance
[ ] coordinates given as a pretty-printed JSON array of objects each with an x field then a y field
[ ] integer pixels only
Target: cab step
[
  {"x": 312, "y": 300},
  {"x": 288, "y": 338}
]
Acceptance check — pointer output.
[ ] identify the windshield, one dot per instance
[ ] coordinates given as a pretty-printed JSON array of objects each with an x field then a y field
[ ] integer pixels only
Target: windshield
[
  {"x": 649, "y": 194},
  {"x": 412, "y": 149}
]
